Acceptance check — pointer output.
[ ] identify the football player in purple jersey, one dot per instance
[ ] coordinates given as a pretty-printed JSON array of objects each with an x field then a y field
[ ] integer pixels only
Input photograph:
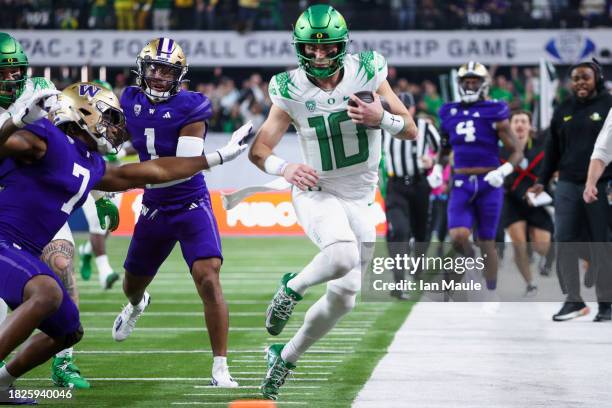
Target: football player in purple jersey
[
  {"x": 167, "y": 121},
  {"x": 49, "y": 170},
  {"x": 472, "y": 128}
]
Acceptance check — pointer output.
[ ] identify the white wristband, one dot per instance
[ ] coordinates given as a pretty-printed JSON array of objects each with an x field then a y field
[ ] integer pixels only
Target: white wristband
[
  {"x": 506, "y": 169},
  {"x": 393, "y": 124},
  {"x": 275, "y": 165},
  {"x": 214, "y": 159},
  {"x": 189, "y": 146}
]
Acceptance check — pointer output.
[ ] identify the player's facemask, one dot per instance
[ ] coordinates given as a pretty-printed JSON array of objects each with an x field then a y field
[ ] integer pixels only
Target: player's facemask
[
  {"x": 468, "y": 92},
  {"x": 321, "y": 67},
  {"x": 13, "y": 86},
  {"x": 161, "y": 68},
  {"x": 97, "y": 111}
]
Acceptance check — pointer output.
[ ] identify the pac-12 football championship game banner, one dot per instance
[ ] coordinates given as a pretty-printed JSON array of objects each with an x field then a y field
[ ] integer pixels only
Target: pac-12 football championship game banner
[
  {"x": 274, "y": 48},
  {"x": 262, "y": 214}
]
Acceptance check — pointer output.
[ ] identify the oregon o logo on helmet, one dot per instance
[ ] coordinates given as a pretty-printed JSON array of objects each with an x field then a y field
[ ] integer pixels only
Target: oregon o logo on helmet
[
  {"x": 12, "y": 60},
  {"x": 319, "y": 35}
]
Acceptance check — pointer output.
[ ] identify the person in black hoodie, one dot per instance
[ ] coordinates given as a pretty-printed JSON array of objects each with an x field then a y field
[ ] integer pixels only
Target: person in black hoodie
[
  {"x": 524, "y": 222},
  {"x": 573, "y": 132}
]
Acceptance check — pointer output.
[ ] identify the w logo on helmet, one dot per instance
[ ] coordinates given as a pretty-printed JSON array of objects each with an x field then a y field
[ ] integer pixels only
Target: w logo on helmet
[{"x": 88, "y": 90}]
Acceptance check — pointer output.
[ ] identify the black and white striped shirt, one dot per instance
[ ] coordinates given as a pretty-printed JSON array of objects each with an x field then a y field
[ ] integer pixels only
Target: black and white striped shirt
[{"x": 402, "y": 157}]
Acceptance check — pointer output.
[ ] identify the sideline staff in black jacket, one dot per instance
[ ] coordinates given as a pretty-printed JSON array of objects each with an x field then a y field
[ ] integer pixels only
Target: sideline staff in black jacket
[{"x": 573, "y": 132}]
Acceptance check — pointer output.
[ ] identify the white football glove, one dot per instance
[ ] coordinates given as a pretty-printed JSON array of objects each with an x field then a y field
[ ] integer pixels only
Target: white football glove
[
  {"x": 496, "y": 177},
  {"x": 236, "y": 145},
  {"x": 435, "y": 178},
  {"x": 30, "y": 107}
]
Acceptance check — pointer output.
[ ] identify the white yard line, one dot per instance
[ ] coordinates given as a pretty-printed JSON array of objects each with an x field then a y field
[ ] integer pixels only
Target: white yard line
[
  {"x": 225, "y": 403},
  {"x": 200, "y": 314},
  {"x": 305, "y": 360},
  {"x": 259, "y": 351},
  {"x": 256, "y": 387},
  {"x": 213, "y": 394}
]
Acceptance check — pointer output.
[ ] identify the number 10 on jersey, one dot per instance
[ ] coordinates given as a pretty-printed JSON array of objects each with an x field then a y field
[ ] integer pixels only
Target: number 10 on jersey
[{"x": 334, "y": 120}]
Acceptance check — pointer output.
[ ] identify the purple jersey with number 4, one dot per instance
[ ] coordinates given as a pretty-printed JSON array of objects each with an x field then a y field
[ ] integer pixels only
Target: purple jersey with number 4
[
  {"x": 472, "y": 132},
  {"x": 36, "y": 199},
  {"x": 155, "y": 128}
]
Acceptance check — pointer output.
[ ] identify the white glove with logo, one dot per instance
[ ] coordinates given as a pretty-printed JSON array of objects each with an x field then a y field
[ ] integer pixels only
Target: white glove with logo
[
  {"x": 496, "y": 177},
  {"x": 435, "y": 178},
  {"x": 236, "y": 145},
  {"x": 33, "y": 105}
]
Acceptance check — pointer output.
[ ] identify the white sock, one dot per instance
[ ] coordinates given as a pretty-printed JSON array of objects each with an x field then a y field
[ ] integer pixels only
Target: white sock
[
  {"x": 65, "y": 353},
  {"x": 319, "y": 320},
  {"x": 104, "y": 268},
  {"x": 85, "y": 249},
  {"x": 219, "y": 363},
  {"x": 333, "y": 262},
  {"x": 3, "y": 311},
  {"x": 6, "y": 379}
]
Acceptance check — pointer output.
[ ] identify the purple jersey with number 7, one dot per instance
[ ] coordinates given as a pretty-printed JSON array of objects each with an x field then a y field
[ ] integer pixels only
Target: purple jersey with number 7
[
  {"x": 36, "y": 199},
  {"x": 472, "y": 132},
  {"x": 155, "y": 128}
]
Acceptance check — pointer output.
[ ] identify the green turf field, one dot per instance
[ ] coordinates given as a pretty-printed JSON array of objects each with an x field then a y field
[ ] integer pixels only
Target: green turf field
[{"x": 167, "y": 360}]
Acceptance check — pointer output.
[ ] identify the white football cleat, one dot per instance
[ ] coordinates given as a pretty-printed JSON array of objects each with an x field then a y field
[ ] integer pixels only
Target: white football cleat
[
  {"x": 126, "y": 321},
  {"x": 221, "y": 378}
]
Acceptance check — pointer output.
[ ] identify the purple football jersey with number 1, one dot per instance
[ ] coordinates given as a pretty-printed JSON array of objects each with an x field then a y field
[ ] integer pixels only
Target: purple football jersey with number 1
[
  {"x": 180, "y": 211},
  {"x": 37, "y": 199},
  {"x": 155, "y": 128},
  {"x": 472, "y": 132}
]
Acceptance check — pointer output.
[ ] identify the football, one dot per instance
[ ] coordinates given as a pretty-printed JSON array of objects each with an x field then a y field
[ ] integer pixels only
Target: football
[{"x": 368, "y": 97}]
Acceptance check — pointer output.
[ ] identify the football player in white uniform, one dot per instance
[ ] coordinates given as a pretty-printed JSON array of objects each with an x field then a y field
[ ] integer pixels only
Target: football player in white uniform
[{"x": 333, "y": 188}]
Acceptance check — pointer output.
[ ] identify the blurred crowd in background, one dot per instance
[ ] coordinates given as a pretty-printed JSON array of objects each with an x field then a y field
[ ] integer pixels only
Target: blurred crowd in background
[
  {"x": 246, "y": 15},
  {"x": 240, "y": 98}
]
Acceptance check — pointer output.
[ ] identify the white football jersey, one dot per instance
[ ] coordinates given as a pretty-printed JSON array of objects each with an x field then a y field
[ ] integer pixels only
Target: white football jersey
[
  {"x": 345, "y": 155},
  {"x": 35, "y": 83}
]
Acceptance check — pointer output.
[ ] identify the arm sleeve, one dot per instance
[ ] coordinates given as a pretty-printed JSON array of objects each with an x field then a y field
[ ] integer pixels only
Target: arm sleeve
[
  {"x": 551, "y": 155},
  {"x": 603, "y": 145}
]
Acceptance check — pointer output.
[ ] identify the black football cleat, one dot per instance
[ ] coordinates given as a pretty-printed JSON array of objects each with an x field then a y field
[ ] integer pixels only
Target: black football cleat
[{"x": 571, "y": 310}]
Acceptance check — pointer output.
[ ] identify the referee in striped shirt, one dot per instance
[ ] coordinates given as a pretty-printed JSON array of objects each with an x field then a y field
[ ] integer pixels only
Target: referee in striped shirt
[{"x": 407, "y": 199}]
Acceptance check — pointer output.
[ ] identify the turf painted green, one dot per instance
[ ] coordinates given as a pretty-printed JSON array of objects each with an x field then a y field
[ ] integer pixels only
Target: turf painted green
[{"x": 167, "y": 359}]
